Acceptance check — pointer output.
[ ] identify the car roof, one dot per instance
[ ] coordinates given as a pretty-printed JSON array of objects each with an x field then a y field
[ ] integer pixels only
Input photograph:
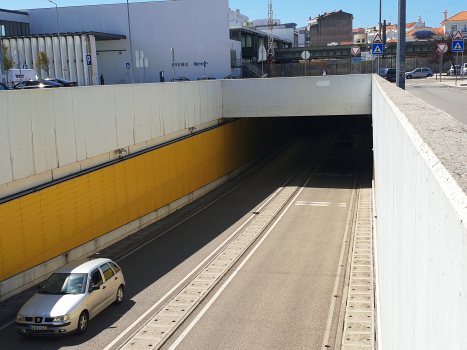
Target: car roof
[{"x": 82, "y": 265}]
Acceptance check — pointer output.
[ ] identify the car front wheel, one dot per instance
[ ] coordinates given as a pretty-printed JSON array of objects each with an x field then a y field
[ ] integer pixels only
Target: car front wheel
[
  {"x": 428, "y": 75},
  {"x": 83, "y": 321},
  {"x": 119, "y": 297},
  {"x": 409, "y": 77}
]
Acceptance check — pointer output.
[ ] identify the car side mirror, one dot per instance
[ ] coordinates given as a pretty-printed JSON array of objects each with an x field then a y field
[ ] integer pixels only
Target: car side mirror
[
  {"x": 39, "y": 286},
  {"x": 93, "y": 287}
]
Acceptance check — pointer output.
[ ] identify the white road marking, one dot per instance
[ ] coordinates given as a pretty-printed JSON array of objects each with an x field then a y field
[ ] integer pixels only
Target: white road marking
[
  {"x": 271, "y": 197},
  {"x": 333, "y": 174},
  {"x": 6, "y": 325},
  {"x": 218, "y": 293},
  {"x": 322, "y": 204},
  {"x": 339, "y": 269}
]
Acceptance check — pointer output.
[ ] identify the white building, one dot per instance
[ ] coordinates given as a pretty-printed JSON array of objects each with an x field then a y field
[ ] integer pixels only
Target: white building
[
  {"x": 236, "y": 18},
  {"x": 286, "y": 31},
  {"x": 201, "y": 34}
]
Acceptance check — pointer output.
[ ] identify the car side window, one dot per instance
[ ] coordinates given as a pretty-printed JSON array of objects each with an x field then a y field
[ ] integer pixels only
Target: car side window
[
  {"x": 96, "y": 278},
  {"x": 114, "y": 267},
  {"x": 107, "y": 271}
]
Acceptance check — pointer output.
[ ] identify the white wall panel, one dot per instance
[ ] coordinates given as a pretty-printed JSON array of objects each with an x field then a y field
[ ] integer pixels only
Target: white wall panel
[
  {"x": 28, "y": 53},
  {"x": 78, "y": 114},
  {"x": 6, "y": 174},
  {"x": 65, "y": 127},
  {"x": 99, "y": 119},
  {"x": 43, "y": 130},
  {"x": 71, "y": 59},
  {"x": 155, "y": 91},
  {"x": 35, "y": 51},
  {"x": 124, "y": 115},
  {"x": 19, "y": 130},
  {"x": 142, "y": 113},
  {"x": 56, "y": 57},
  {"x": 50, "y": 54}
]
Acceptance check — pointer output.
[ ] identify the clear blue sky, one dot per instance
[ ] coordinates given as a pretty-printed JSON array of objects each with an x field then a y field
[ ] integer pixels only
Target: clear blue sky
[{"x": 366, "y": 12}]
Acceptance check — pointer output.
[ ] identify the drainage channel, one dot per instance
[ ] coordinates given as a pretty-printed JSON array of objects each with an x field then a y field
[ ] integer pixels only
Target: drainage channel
[
  {"x": 162, "y": 325},
  {"x": 359, "y": 326}
]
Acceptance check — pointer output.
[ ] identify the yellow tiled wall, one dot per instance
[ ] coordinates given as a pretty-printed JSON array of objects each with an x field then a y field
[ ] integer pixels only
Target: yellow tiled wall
[{"x": 50, "y": 222}]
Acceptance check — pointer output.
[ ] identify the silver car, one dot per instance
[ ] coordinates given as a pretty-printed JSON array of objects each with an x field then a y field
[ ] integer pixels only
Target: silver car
[
  {"x": 419, "y": 73},
  {"x": 72, "y": 296}
]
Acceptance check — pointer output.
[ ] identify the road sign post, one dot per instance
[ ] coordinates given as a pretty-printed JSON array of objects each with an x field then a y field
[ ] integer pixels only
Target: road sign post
[
  {"x": 441, "y": 49},
  {"x": 458, "y": 46},
  {"x": 377, "y": 48},
  {"x": 305, "y": 56}
]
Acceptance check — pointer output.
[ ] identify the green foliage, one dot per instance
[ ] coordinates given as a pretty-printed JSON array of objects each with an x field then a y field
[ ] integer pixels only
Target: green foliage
[
  {"x": 8, "y": 63},
  {"x": 43, "y": 62}
]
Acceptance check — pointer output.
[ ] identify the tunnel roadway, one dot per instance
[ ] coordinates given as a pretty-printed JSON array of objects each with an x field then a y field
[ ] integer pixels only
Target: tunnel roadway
[{"x": 285, "y": 291}]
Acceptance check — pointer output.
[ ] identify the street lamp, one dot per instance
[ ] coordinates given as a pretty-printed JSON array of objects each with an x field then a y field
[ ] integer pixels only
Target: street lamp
[
  {"x": 59, "y": 41},
  {"x": 129, "y": 34}
]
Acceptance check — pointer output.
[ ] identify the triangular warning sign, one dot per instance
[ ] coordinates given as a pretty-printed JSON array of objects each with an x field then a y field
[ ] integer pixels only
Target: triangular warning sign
[
  {"x": 377, "y": 39},
  {"x": 377, "y": 50},
  {"x": 355, "y": 50},
  {"x": 458, "y": 36},
  {"x": 458, "y": 47}
]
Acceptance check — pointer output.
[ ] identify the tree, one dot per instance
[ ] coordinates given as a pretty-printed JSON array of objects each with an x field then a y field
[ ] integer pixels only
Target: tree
[
  {"x": 43, "y": 62},
  {"x": 448, "y": 56},
  {"x": 7, "y": 62}
]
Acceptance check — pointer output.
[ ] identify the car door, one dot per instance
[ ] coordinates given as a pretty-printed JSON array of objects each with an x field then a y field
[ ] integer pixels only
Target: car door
[
  {"x": 110, "y": 284},
  {"x": 97, "y": 298},
  {"x": 417, "y": 73}
]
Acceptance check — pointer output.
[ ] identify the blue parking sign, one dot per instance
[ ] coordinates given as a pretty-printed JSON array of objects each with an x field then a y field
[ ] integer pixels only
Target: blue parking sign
[
  {"x": 458, "y": 46},
  {"x": 128, "y": 65},
  {"x": 377, "y": 49},
  {"x": 88, "y": 60}
]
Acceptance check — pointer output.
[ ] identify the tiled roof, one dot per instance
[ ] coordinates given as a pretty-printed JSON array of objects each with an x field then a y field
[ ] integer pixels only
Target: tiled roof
[
  {"x": 359, "y": 30},
  {"x": 410, "y": 25},
  {"x": 410, "y": 33},
  {"x": 439, "y": 31},
  {"x": 392, "y": 41},
  {"x": 461, "y": 16},
  {"x": 346, "y": 42}
]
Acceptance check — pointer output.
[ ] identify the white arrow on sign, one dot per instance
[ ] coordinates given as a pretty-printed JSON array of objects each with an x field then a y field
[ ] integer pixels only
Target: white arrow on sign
[
  {"x": 305, "y": 55},
  {"x": 442, "y": 48},
  {"x": 458, "y": 36},
  {"x": 355, "y": 50},
  {"x": 377, "y": 39}
]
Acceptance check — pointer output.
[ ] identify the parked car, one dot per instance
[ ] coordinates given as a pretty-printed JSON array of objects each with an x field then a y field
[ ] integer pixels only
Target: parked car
[
  {"x": 464, "y": 69},
  {"x": 64, "y": 82},
  {"x": 71, "y": 296},
  {"x": 419, "y": 73},
  {"x": 37, "y": 84},
  {"x": 180, "y": 79},
  {"x": 451, "y": 70},
  {"x": 388, "y": 74},
  {"x": 4, "y": 86},
  {"x": 231, "y": 77},
  {"x": 206, "y": 78},
  {"x": 345, "y": 140}
]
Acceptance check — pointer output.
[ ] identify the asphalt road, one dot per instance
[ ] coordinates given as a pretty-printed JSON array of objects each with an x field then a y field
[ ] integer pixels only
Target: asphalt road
[
  {"x": 452, "y": 100},
  {"x": 282, "y": 296}
]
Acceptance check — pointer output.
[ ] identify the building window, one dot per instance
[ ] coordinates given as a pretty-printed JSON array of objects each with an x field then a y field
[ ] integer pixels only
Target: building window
[
  {"x": 249, "y": 42},
  {"x": 243, "y": 41},
  {"x": 261, "y": 41},
  {"x": 454, "y": 28}
]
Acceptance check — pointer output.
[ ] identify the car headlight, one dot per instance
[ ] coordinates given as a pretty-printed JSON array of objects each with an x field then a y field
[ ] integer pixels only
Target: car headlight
[
  {"x": 20, "y": 318},
  {"x": 62, "y": 318}
]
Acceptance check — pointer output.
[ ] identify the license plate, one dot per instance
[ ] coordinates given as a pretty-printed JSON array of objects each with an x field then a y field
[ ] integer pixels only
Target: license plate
[{"x": 38, "y": 328}]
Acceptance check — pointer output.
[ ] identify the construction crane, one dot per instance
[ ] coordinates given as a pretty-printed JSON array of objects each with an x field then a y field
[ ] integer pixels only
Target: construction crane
[{"x": 271, "y": 55}]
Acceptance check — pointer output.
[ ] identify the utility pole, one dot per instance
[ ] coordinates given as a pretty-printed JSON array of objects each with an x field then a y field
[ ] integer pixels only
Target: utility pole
[
  {"x": 2, "y": 68},
  {"x": 400, "y": 68},
  {"x": 131, "y": 47},
  {"x": 271, "y": 54},
  {"x": 379, "y": 28},
  {"x": 59, "y": 41}
]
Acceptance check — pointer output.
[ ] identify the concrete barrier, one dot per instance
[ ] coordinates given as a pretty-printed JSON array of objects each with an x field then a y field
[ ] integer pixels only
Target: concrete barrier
[{"x": 421, "y": 206}]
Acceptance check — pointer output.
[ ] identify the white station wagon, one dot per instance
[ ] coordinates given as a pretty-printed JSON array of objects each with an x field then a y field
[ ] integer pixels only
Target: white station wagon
[{"x": 70, "y": 297}]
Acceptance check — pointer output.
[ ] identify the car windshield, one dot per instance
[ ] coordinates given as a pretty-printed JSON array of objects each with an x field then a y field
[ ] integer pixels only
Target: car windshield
[{"x": 65, "y": 283}]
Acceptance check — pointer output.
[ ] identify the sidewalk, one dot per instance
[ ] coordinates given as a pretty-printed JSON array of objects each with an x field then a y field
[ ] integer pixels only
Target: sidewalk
[{"x": 450, "y": 81}]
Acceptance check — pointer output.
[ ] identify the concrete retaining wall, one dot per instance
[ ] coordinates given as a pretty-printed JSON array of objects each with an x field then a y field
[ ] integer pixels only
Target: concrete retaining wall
[
  {"x": 420, "y": 164},
  {"x": 304, "y": 96},
  {"x": 49, "y": 133}
]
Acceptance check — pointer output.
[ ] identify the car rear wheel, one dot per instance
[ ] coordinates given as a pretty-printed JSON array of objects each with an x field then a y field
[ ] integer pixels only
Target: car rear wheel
[
  {"x": 120, "y": 293},
  {"x": 83, "y": 321},
  {"x": 409, "y": 76}
]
